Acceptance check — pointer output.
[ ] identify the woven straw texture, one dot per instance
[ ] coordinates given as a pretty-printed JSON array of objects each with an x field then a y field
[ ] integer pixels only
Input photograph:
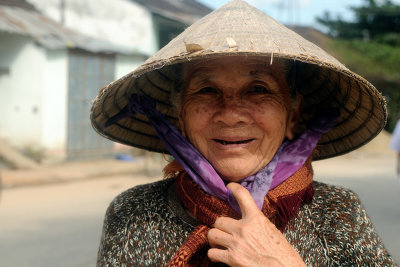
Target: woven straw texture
[{"x": 238, "y": 29}]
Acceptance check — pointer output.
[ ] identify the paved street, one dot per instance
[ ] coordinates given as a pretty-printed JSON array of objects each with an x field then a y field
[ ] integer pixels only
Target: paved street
[
  {"x": 60, "y": 224},
  {"x": 374, "y": 180},
  {"x": 56, "y": 225}
]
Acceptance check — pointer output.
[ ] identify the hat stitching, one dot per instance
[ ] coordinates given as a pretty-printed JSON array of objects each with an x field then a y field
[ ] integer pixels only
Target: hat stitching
[{"x": 146, "y": 76}]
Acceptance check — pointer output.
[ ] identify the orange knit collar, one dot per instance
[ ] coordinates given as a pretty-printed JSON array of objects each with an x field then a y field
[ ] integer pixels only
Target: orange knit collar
[{"x": 280, "y": 205}]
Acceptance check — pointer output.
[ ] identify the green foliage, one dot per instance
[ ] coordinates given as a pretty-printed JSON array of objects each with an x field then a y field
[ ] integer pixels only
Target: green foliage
[
  {"x": 379, "y": 63},
  {"x": 378, "y": 19},
  {"x": 338, "y": 27},
  {"x": 392, "y": 39},
  {"x": 373, "y": 21},
  {"x": 370, "y": 46},
  {"x": 371, "y": 59}
]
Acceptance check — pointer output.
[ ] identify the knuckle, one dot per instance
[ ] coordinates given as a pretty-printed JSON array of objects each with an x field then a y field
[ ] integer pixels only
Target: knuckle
[
  {"x": 211, "y": 233},
  {"x": 244, "y": 231},
  {"x": 211, "y": 255},
  {"x": 218, "y": 220},
  {"x": 234, "y": 242}
]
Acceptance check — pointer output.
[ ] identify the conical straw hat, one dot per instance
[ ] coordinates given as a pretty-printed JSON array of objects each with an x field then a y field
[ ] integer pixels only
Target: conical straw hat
[{"x": 238, "y": 29}]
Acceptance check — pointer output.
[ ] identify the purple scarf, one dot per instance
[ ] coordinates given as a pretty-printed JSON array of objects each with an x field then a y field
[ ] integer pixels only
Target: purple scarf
[{"x": 290, "y": 156}]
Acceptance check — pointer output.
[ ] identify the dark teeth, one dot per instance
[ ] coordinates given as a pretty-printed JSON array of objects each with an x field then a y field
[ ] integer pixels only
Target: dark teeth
[{"x": 230, "y": 143}]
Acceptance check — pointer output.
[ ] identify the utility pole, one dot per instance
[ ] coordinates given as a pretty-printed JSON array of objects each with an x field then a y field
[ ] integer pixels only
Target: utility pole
[
  {"x": 289, "y": 11},
  {"x": 62, "y": 12},
  {"x": 292, "y": 11}
]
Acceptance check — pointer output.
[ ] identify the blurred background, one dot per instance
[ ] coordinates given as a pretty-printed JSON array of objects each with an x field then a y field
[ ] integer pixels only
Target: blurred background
[{"x": 58, "y": 175}]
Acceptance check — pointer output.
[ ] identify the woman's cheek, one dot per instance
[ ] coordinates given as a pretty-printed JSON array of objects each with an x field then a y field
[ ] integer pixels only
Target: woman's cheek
[
  {"x": 199, "y": 107},
  {"x": 270, "y": 116},
  {"x": 275, "y": 100},
  {"x": 196, "y": 116}
]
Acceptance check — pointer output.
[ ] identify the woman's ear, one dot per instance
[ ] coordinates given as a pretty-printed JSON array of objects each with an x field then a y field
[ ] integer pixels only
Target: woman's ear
[{"x": 294, "y": 117}]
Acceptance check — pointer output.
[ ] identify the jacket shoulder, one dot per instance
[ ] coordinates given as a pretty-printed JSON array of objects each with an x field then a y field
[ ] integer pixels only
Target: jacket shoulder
[
  {"x": 340, "y": 228},
  {"x": 137, "y": 200}
]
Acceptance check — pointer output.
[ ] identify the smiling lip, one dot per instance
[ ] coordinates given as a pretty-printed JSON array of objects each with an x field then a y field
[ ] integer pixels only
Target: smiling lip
[{"x": 229, "y": 142}]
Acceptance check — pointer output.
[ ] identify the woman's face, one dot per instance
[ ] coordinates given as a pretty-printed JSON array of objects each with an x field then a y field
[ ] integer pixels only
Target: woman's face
[{"x": 237, "y": 111}]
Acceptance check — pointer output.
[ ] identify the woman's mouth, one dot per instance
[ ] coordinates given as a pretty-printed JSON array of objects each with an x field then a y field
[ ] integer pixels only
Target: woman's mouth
[{"x": 225, "y": 142}]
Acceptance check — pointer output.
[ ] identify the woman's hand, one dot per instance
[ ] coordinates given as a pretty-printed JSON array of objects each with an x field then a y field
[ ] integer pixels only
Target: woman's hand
[{"x": 250, "y": 241}]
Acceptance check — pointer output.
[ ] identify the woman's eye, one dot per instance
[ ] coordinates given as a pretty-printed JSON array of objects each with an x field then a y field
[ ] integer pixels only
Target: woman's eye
[
  {"x": 258, "y": 90},
  {"x": 207, "y": 90}
]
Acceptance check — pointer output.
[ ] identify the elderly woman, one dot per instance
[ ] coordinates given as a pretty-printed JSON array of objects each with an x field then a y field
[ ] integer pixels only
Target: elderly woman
[{"x": 243, "y": 105}]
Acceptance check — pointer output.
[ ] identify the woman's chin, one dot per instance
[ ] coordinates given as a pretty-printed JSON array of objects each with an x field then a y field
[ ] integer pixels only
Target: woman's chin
[
  {"x": 234, "y": 168},
  {"x": 235, "y": 173}
]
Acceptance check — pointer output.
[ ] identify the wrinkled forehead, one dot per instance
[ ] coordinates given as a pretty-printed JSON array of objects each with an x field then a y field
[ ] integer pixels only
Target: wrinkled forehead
[{"x": 253, "y": 67}]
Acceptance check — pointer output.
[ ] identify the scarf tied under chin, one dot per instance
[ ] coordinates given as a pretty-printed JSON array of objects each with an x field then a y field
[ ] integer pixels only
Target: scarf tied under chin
[
  {"x": 287, "y": 177},
  {"x": 280, "y": 205},
  {"x": 290, "y": 156}
]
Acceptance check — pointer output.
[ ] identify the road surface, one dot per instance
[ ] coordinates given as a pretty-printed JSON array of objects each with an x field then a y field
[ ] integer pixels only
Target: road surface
[{"x": 60, "y": 224}]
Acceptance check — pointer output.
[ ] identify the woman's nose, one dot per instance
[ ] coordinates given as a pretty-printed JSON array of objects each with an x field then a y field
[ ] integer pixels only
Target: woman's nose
[{"x": 232, "y": 112}]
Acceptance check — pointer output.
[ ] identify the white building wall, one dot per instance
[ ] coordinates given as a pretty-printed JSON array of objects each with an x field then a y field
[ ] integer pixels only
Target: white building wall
[
  {"x": 122, "y": 22},
  {"x": 20, "y": 91},
  {"x": 54, "y": 115},
  {"x": 125, "y": 64}
]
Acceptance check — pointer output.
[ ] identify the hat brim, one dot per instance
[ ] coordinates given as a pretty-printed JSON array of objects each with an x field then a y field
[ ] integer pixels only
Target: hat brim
[
  {"x": 361, "y": 106},
  {"x": 238, "y": 29}
]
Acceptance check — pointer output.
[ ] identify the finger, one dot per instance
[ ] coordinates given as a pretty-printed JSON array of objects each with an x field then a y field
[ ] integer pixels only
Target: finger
[
  {"x": 218, "y": 238},
  {"x": 218, "y": 255},
  {"x": 226, "y": 224},
  {"x": 244, "y": 199}
]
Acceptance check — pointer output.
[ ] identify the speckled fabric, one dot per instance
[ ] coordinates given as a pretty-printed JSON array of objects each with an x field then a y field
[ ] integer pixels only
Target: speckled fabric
[{"x": 146, "y": 225}]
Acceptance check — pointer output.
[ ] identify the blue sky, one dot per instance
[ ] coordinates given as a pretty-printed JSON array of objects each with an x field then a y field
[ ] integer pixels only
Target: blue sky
[{"x": 302, "y": 12}]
